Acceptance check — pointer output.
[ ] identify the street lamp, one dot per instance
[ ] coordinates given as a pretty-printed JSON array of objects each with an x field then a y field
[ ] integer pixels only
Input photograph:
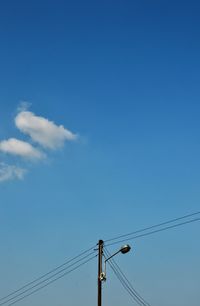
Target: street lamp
[
  {"x": 124, "y": 249},
  {"x": 102, "y": 275}
]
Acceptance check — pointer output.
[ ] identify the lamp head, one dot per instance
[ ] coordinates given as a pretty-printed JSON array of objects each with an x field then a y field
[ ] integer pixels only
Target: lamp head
[{"x": 125, "y": 249}]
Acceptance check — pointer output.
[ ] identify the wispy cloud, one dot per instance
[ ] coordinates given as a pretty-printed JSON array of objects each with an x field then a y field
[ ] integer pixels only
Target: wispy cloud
[
  {"x": 10, "y": 172},
  {"x": 20, "y": 148},
  {"x": 42, "y": 131},
  {"x": 23, "y": 106}
]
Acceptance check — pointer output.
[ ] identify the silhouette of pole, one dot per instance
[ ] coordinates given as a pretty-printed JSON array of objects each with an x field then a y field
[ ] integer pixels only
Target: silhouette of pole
[{"x": 100, "y": 254}]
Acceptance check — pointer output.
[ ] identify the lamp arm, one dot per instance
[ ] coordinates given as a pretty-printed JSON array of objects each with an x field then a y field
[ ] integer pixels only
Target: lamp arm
[{"x": 112, "y": 255}]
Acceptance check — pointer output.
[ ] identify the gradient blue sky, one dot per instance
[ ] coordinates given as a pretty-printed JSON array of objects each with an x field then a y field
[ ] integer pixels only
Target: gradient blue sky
[{"x": 124, "y": 75}]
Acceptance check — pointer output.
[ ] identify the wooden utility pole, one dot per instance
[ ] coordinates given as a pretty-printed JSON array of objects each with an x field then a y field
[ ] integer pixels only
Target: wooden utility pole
[{"x": 100, "y": 254}]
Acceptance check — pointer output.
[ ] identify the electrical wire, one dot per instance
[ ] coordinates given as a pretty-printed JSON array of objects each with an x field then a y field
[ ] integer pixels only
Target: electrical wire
[
  {"x": 52, "y": 281},
  {"x": 125, "y": 282},
  {"x": 133, "y": 296},
  {"x": 48, "y": 273},
  {"x": 130, "y": 236},
  {"x": 124, "y": 276},
  {"x": 153, "y": 232},
  {"x": 43, "y": 278},
  {"x": 153, "y": 226}
]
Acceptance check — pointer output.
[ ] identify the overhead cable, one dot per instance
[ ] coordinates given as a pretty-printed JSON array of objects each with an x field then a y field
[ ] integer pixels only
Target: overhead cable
[
  {"x": 125, "y": 286},
  {"x": 125, "y": 282},
  {"x": 154, "y": 226},
  {"x": 52, "y": 281},
  {"x": 47, "y": 276},
  {"x": 151, "y": 232}
]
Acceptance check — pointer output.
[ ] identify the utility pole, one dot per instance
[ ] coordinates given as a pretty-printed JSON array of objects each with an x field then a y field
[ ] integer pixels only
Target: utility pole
[{"x": 100, "y": 254}]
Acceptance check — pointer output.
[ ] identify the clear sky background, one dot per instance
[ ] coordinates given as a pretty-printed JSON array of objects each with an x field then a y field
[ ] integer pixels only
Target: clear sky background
[{"x": 123, "y": 76}]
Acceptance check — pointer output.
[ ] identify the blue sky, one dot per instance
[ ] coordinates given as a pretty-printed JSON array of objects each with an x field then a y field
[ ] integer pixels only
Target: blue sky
[{"x": 124, "y": 77}]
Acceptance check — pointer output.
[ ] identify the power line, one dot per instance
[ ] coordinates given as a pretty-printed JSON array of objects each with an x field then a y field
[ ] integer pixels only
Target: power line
[
  {"x": 128, "y": 282},
  {"x": 125, "y": 282},
  {"x": 52, "y": 281},
  {"x": 49, "y": 277},
  {"x": 154, "y": 232},
  {"x": 43, "y": 278},
  {"x": 153, "y": 226},
  {"x": 44, "y": 275},
  {"x": 133, "y": 295}
]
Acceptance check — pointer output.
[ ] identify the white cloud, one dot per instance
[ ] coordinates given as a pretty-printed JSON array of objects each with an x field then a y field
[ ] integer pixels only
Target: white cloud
[
  {"x": 20, "y": 148},
  {"x": 10, "y": 172},
  {"x": 41, "y": 130}
]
